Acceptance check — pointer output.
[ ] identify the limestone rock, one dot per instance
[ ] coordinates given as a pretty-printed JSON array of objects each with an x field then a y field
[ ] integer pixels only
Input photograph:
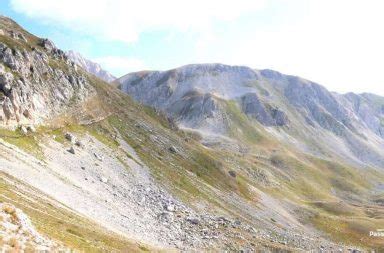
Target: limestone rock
[
  {"x": 70, "y": 137},
  {"x": 23, "y": 130},
  {"x": 31, "y": 90},
  {"x": 31, "y": 129},
  {"x": 72, "y": 150}
]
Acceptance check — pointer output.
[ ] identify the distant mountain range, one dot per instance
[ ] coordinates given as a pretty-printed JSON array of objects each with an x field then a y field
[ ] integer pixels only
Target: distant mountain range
[
  {"x": 90, "y": 66},
  {"x": 294, "y": 110}
]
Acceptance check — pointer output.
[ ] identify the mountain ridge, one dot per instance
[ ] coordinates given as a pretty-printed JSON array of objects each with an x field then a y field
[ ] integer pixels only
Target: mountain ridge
[
  {"x": 90, "y": 66},
  {"x": 98, "y": 171},
  {"x": 266, "y": 95}
]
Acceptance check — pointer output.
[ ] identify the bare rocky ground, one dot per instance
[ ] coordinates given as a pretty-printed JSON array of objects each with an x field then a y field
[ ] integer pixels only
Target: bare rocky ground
[
  {"x": 114, "y": 187},
  {"x": 17, "y": 234}
]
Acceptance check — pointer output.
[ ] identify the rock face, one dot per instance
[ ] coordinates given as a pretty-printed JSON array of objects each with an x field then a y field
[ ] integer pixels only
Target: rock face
[
  {"x": 198, "y": 97},
  {"x": 31, "y": 87},
  {"x": 90, "y": 66},
  {"x": 264, "y": 113}
]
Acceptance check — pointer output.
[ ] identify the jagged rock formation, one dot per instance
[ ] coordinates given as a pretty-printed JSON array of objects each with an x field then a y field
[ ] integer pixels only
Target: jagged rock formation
[
  {"x": 194, "y": 95},
  {"x": 264, "y": 113},
  {"x": 90, "y": 66},
  {"x": 31, "y": 87}
]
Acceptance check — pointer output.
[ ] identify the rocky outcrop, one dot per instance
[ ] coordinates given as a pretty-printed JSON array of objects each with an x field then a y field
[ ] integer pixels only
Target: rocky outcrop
[
  {"x": 265, "y": 113},
  {"x": 37, "y": 81},
  {"x": 200, "y": 97},
  {"x": 90, "y": 66},
  {"x": 318, "y": 104},
  {"x": 369, "y": 108},
  {"x": 194, "y": 95}
]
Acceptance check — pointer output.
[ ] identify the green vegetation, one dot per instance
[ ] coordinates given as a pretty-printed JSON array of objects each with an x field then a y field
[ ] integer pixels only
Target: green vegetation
[
  {"x": 62, "y": 225},
  {"x": 240, "y": 126},
  {"x": 28, "y": 143},
  {"x": 353, "y": 230}
]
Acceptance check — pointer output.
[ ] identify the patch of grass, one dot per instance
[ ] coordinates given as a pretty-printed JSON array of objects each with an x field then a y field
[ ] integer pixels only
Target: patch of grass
[
  {"x": 143, "y": 248},
  {"x": 59, "y": 135},
  {"x": 28, "y": 143},
  {"x": 240, "y": 126},
  {"x": 104, "y": 136},
  {"x": 121, "y": 160},
  {"x": 74, "y": 232},
  {"x": 352, "y": 230},
  {"x": 60, "y": 224},
  {"x": 337, "y": 208}
]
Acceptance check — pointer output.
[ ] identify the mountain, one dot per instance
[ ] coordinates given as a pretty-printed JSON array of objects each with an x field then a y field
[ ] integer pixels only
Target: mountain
[
  {"x": 32, "y": 87},
  {"x": 239, "y": 161},
  {"x": 90, "y": 66},
  {"x": 296, "y": 111}
]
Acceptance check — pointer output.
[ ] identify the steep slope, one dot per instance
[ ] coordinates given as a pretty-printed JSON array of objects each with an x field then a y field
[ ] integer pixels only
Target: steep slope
[
  {"x": 296, "y": 140},
  {"x": 291, "y": 108},
  {"x": 37, "y": 80},
  {"x": 90, "y": 66},
  {"x": 98, "y": 155},
  {"x": 102, "y": 173}
]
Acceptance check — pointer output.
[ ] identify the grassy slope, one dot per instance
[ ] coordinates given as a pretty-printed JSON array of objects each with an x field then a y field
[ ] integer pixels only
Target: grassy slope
[
  {"x": 60, "y": 224},
  {"x": 310, "y": 179},
  {"x": 318, "y": 185},
  {"x": 193, "y": 171}
]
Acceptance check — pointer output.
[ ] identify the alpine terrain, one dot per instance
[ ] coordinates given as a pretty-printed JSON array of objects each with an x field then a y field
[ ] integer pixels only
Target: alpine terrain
[
  {"x": 201, "y": 158},
  {"x": 90, "y": 66}
]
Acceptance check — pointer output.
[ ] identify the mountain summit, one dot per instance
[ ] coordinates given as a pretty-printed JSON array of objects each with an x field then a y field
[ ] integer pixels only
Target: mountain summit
[
  {"x": 90, "y": 66},
  {"x": 295, "y": 110}
]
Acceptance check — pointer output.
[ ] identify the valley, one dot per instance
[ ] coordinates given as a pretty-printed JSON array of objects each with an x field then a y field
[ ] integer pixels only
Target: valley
[{"x": 206, "y": 157}]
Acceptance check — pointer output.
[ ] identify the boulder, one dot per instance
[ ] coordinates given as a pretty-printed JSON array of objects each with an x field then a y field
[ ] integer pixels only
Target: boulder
[
  {"x": 194, "y": 221},
  {"x": 70, "y": 137},
  {"x": 23, "y": 130},
  {"x": 232, "y": 173},
  {"x": 31, "y": 129},
  {"x": 170, "y": 207},
  {"x": 79, "y": 144},
  {"x": 104, "y": 180},
  {"x": 47, "y": 44},
  {"x": 172, "y": 149},
  {"x": 98, "y": 157},
  {"x": 72, "y": 150}
]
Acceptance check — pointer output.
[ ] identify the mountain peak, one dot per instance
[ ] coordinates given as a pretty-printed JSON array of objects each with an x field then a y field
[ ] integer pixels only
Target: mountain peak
[
  {"x": 267, "y": 96},
  {"x": 90, "y": 66}
]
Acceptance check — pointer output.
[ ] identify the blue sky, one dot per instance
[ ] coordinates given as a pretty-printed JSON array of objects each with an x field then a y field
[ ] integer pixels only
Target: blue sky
[{"x": 335, "y": 43}]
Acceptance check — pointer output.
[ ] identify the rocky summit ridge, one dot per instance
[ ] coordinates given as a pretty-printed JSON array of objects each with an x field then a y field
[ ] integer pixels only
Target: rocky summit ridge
[
  {"x": 90, "y": 66},
  {"x": 297, "y": 110}
]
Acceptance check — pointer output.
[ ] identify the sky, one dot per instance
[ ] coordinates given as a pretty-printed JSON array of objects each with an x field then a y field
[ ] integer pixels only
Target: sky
[{"x": 336, "y": 43}]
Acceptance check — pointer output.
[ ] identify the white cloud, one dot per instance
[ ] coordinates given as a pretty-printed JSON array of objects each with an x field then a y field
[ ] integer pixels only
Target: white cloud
[
  {"x": 120, "y": 65},
  {"x": 336, "y": 43},
  {"x": 124, "y": 20}
]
